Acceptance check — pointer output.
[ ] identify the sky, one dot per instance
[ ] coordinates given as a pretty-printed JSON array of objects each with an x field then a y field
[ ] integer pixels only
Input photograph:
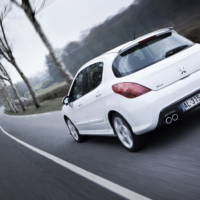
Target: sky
[{"x": 63, "y": 21}]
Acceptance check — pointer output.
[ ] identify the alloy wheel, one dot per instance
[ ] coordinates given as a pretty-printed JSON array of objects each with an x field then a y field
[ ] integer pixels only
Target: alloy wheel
[
  {"x": 123, "y": 132},
  {"x": 73, "y": 130}
]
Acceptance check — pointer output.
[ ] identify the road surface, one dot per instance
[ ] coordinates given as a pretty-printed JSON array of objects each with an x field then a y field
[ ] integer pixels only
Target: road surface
[{"x": 168, "y": 167}]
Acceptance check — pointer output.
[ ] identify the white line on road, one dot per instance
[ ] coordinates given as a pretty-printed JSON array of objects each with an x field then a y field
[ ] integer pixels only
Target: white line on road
[{"x": 113, "y": 187}]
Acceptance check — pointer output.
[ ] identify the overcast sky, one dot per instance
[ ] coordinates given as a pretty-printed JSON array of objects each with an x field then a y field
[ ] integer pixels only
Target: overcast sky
[{"x": 63, "y": 21}]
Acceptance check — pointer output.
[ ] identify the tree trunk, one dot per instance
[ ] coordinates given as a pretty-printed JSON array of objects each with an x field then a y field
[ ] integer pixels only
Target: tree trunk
[
  {"x": 11, "y": 105},
  {"x": 60, "y": 65},
  {"x": 8, "y": 101},
  {"x": 26, "y": 81},
  {"x": 12, "y": 109},
  {"x": 12, "y": 86},
  {"x": 17, "y": 94}
]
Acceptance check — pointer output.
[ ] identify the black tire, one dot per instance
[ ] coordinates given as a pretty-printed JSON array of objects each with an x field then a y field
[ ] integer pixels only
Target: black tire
[
  {"x": 77, "y": 137},
  {"x": 135, "y": 146}
]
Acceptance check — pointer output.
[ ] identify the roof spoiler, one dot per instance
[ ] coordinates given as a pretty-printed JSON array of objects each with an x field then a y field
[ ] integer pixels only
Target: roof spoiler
[
  {"x": 167, "y": 28},
  {"x": 164, "y": 30},
  {"x": 157, "y": 33}
]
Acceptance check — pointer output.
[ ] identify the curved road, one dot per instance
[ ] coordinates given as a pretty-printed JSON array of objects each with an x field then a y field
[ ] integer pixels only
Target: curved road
[{"x": 168, "y": 167}]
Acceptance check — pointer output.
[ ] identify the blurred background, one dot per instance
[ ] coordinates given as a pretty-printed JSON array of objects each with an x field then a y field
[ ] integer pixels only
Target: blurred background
[{"x": 116, "y": 26}]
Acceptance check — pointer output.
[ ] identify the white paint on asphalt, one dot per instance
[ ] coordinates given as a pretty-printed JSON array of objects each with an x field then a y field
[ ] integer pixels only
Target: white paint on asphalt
[{"x": 109, "y": 185}]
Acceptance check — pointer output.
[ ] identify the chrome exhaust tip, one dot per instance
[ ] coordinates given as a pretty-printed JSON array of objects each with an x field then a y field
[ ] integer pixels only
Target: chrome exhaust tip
[
  {"x": 175, "y": 117},
  {"x": 168, "y": 120}
]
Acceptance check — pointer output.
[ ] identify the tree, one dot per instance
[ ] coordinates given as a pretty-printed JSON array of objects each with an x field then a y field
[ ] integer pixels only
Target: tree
[
  {"x": 8, "y": 78},
  {"x": 70, "y": 58},
  {"x": 5, "y": 97},
  {"x": 52, "y": 69},
  {"x": 7, "y": 54},
  {"x": 31, "y": 8}
]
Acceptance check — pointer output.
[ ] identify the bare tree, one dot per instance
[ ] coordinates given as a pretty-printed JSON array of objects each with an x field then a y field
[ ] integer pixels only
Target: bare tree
[
  {"x": 7, "y": 54},
  {"x": 6, "y": 97},
  {"x": 31, "y": 8},
  {"x": 8, "y": 78}
]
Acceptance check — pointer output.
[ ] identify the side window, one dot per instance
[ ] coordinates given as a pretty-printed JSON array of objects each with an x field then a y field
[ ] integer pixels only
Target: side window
[
  {"x": 79, "y": 87},
  {"x": 94, "y": 74}
]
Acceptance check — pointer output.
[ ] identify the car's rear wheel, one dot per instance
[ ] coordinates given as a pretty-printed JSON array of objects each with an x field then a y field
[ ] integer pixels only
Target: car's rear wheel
[
  {"x": 125, "y": 134},
  {"x": 74, "y": 131}
]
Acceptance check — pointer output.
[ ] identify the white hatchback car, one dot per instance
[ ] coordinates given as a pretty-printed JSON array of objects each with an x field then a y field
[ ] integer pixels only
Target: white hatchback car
[{"x": 135, "y": 88}]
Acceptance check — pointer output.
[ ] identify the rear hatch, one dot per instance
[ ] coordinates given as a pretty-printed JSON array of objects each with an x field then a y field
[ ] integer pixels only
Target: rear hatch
[
  {"x": 170, "y": 70},
  {"x": 158, "y": 61}
]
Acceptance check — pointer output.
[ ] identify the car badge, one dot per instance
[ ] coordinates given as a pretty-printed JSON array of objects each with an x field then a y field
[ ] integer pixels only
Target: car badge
[{"x": 183, "y": 71}]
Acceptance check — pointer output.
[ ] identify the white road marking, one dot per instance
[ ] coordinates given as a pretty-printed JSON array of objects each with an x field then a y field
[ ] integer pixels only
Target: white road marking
[{"x": 113, "y": 187}]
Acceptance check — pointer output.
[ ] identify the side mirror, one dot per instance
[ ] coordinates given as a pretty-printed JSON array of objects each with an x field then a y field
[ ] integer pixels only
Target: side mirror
[{"x": 65, "y": 100}]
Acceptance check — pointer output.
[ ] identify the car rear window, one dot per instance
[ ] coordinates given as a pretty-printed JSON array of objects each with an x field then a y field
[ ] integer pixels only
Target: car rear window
[{"x": 149, "y": 52}]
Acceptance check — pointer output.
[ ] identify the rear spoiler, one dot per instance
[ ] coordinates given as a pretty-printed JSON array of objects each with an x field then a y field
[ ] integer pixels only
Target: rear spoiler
[{"x": 154, "y": 34}]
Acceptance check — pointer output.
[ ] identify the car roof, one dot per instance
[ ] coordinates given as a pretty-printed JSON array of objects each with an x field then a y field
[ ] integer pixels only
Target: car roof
[{"x": 126, "y": 45}]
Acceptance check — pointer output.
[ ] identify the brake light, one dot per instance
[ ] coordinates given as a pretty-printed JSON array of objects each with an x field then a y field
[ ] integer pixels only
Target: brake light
[
  {"x": 147, "y": 39},
  {"x": 130, "y": 90}
]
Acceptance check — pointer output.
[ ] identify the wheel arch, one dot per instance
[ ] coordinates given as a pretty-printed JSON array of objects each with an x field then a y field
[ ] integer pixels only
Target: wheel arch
[
  {"x": 110, "y": 115},
  {"x": 113, "y": 112}
]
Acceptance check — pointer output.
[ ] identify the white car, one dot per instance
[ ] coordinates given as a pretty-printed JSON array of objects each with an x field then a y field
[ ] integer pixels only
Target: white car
[{"x": 135, "y": 88}]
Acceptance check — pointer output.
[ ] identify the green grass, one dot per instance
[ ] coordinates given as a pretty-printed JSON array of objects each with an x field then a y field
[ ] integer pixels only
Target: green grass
[{"x": 46, "y": 106}]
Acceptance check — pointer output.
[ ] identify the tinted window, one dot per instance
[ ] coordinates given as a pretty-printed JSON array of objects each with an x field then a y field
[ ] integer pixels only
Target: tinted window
[
  {"x": 94, "y": 74},
  {"x": 79, "y": 87},
  {"x": 148, "y": 53}
]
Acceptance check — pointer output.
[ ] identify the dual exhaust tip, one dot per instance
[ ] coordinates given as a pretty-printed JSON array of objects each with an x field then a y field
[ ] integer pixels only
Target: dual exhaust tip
[{"x": 171, "y": 118}]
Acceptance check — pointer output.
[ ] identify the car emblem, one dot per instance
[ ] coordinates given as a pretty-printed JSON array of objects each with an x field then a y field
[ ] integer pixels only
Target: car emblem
[{"x": 183, "y": 71}]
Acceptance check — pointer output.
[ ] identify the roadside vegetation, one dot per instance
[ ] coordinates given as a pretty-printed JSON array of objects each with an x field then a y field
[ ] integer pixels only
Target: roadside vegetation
[
  {"x": 46, "y": 106},
  {"x": 45, "y": 91}
]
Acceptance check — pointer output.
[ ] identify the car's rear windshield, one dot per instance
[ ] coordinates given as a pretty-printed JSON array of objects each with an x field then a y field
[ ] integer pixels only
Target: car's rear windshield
[{"x": 149, "y": 52}]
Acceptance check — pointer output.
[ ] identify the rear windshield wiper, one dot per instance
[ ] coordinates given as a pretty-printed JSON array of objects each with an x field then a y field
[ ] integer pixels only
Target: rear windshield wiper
[{"x": 175, "y": 50}]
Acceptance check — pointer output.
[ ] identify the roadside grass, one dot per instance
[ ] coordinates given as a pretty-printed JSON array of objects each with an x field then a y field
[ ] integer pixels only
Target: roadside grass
[
  {"x": 46, "y": 106},
  {"x": 55, "y": 91},
  {"x": 55, "y": 86},
  {"x": 50, "y": 99}
]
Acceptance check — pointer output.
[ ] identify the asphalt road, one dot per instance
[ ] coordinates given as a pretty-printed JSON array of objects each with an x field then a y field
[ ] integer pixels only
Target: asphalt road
[{"x": 167, "y": 168}]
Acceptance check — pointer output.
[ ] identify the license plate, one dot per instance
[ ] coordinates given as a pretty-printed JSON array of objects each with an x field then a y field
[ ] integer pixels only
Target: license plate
[{"x": 191, "y": 102}]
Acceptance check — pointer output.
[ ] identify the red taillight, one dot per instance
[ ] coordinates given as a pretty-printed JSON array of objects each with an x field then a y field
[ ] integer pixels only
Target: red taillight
[{"x": 130, "y": 90}]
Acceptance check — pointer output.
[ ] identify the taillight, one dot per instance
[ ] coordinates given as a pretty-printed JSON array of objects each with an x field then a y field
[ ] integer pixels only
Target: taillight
[{"x": 130, "y": 90}]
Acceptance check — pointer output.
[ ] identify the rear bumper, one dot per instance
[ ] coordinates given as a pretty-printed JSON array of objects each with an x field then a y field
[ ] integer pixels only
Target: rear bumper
[
  {"x": 147, "y": 112},
  {"x": 175, "y": 108}
]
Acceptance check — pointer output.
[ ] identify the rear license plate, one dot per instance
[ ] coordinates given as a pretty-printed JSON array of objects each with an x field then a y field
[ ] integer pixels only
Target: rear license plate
[{"x": 191, "y": 102}]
